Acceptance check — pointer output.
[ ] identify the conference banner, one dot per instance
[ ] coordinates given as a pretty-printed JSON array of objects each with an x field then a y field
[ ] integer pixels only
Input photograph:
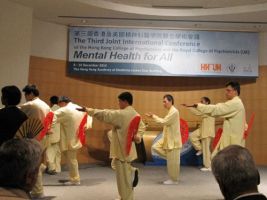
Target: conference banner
[{"x": 157, "y": 52}]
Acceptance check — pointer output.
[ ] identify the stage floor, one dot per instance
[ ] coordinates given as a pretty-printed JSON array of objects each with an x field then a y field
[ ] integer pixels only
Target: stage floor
[{"x": 98, "y": 183}]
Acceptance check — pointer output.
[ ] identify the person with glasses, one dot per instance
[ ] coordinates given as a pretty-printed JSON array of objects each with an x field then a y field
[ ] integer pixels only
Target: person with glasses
[{"x": 233, "y": 113}]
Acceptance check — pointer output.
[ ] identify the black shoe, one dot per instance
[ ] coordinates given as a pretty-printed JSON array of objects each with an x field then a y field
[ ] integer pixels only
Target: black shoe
[
  {"x": 135, "y": 180},
  {"x": 63, "y": 180},
  {"x": 37, "y": 196},
  {"x": 50, "y": 172}
]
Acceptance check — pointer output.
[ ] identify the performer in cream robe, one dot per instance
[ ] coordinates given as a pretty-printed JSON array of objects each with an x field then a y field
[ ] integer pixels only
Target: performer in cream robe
[
  {"x": 169, "y": 146},
  {"x": 53, "y": 153},
  {"x": 233, "y": 112},
  {"x": 70, "y": 119},
  {"x": 36, "y": 108},
  {"x": 120, "y": 119},
  {"x": 112, "y": 164},
  {"x": 201, "y": 137}
]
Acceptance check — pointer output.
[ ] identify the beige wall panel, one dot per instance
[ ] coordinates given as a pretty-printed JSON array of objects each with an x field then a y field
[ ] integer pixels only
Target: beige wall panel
[
  {"x": 15, "y": 43},
  {"x": 102, "y": 91}
]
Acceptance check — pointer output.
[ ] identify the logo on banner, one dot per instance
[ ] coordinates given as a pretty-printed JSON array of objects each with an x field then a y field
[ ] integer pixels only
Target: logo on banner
[
  {"x": 232, "y": 68},
  {"x": 215, "y": 67},
  {"x": 247, "y": 69}
]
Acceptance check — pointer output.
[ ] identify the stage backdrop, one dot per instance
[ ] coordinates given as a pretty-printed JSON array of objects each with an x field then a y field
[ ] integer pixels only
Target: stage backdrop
[
  {"x": 146, "y": 52},
  {"x": 51, "y": 76}
]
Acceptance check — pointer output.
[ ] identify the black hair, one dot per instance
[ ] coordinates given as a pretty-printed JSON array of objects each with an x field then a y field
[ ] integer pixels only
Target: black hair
[
  {"x": 169, "y": 97},
  {"x": 31, "y": 89},
  {"x": 64, "y": 99},
  {"x": 126, "y": 96},
  {"x": 11, "y": 95},
  {"x": 235, "y": 85},
  {"x": 206, "y": 99},
  {"x": 54, "y": 99}
]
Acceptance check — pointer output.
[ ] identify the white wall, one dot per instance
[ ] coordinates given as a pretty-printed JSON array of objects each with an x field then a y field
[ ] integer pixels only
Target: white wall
[
  {"x": 49, "y": 40},
  {"x": 15, "y": 43},
  {"x": 263, "y": 49}
]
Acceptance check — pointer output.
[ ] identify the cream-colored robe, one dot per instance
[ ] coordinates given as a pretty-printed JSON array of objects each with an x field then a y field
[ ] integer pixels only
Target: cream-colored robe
[
  {"x": 36, "y": 108},
  {"x": 201, "y": 138},
  {"x": 168, "y": 147},
  {"x": 53, "y": 153},
  {"x": 70, "y": 119},
  {"x": 54, "y": 136},
  {"x": 171, "y": 129},
  {"x": 207, "y": 125},
  {"x": 233, "y": 112},
  {"x": 120, "y": 119}
]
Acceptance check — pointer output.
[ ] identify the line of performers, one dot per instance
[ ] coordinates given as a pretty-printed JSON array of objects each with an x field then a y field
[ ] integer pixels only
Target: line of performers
[{"x": 66, "y": 124}]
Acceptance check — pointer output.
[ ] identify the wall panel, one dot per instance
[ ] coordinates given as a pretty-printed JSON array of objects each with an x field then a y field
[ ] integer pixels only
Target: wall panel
[{"x": 102, "y": 91}]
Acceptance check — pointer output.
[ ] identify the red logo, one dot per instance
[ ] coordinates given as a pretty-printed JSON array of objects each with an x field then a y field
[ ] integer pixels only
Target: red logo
[{"x": 211, "y": 67}]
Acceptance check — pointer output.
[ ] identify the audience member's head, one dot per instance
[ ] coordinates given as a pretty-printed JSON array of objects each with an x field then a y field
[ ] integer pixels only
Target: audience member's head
[
  {"x": 235, "y": 172},
  {"x": 63, "y": 101},
  {"x": 53, "y": 100},
  {"x": 11, "y": 95},
  {"x": 30, "y": 92},
  {"x": 125, "y": 99},
  {"x": 20, "y": 160}
]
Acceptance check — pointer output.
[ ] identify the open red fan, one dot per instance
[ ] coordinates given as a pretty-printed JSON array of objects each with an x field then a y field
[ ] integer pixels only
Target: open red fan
[
  {"x": 250, "y": 123},
  {"x": 47, "y": 125},
  {"x": 81, "y": 130},
  {"x": 132, "y": 131},
  {"x": 217, "y": 138},
  {"x": 245, "y": 135},
  {"x": 184, "y": 130}
]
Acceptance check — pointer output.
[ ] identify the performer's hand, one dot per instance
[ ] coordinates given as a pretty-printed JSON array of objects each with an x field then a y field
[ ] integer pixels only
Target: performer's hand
[
  {"x": 137, "y": 139},
  {"x": 49, "y": 133},
  {"x": 246, "y": 126},
  {"x": 150, "y": 115},
  {"x": 82, "y": 109}
]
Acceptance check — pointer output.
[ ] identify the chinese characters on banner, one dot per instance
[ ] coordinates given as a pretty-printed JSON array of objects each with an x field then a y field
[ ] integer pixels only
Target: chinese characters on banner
[{"x": 150, "y": 52}]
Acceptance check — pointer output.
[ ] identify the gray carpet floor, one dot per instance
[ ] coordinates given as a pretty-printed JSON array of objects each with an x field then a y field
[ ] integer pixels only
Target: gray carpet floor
[{"x": 99, "y": 183}]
